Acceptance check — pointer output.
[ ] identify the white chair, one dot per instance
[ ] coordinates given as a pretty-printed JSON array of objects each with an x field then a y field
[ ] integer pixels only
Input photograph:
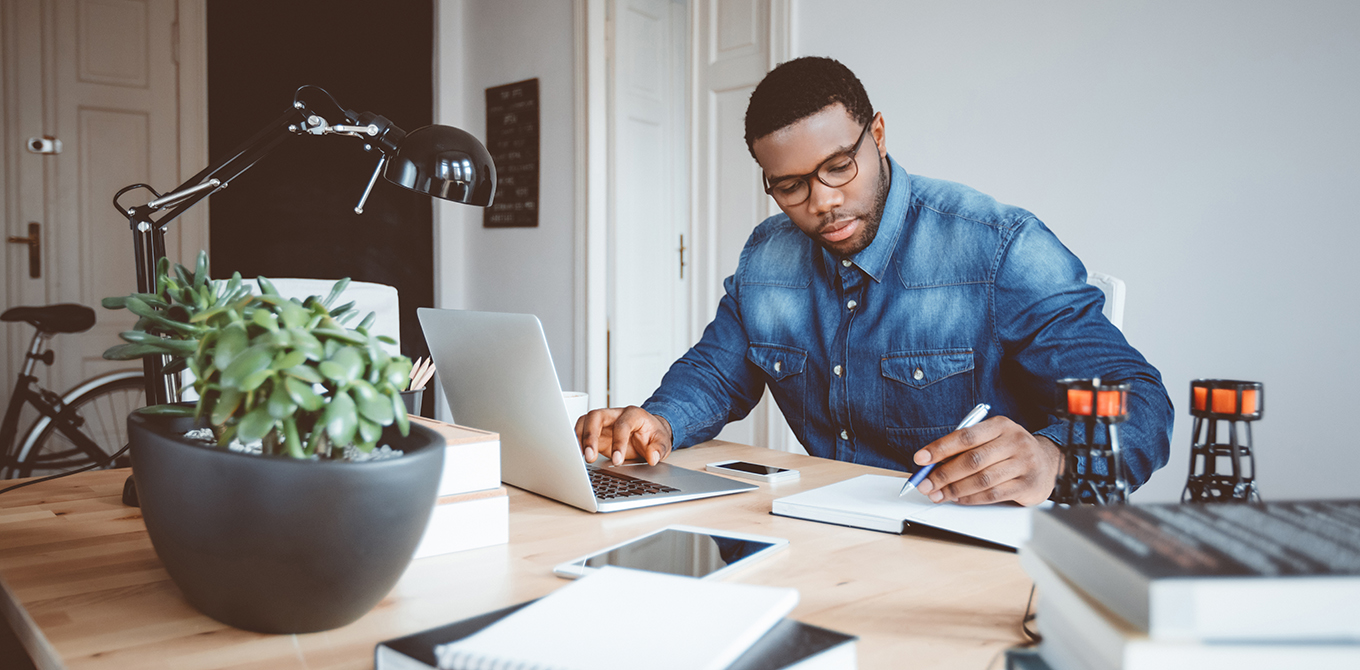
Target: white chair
[{"x": 1113, "y": 288}]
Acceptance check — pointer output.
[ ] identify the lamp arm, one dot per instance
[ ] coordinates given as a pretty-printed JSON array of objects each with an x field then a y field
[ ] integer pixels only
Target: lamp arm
[{"x": 308, "y": 115}]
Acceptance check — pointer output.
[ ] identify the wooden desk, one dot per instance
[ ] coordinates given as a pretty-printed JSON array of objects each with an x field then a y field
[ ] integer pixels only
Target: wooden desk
[{"x": 80, "y": 565}]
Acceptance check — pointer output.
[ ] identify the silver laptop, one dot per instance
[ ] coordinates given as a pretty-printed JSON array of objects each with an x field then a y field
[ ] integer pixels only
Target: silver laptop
[{"x": 498, "y": 375}]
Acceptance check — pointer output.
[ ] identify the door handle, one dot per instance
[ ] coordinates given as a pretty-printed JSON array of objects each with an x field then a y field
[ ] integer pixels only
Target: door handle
[{"x": 34, "y": 249}]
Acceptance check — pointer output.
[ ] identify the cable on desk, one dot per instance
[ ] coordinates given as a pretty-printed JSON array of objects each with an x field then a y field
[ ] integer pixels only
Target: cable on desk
[
  {"x": 59, "y": 475},
  {"x": 1033, "y": 635}
]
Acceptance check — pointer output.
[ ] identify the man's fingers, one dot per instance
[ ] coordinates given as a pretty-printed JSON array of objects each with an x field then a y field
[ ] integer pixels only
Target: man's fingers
[
  {"x": 983, "y": 486},
  {"x": 960, "y": 441},
  {"x": 592, "y": 430}
]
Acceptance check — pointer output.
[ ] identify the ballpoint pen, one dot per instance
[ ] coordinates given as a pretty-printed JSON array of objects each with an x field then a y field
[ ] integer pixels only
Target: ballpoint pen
[{"x": 970, "y": 420}]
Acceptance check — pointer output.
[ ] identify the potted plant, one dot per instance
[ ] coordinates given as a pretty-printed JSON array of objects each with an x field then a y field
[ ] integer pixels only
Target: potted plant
[{"x": 279, "y": 521}]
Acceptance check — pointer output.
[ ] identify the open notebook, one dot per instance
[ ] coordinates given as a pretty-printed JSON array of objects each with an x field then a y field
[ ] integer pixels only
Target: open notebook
[{"x": 872, "y": 502}]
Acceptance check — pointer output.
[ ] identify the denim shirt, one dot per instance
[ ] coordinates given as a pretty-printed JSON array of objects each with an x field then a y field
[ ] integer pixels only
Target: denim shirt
[{"x": 958, "y": 300}]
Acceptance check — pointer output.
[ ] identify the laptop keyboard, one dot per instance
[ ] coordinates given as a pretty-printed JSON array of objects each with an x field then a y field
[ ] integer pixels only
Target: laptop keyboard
[{"x": 609, "y": 485}]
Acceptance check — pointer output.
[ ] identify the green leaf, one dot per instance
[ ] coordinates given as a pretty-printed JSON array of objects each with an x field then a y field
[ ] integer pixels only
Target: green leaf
[
  {"x": 397, "y": 373},
  {"x": 114, "y": 302},
  {"x": 127, "y": 352},
  {"x": 294, "y": 316},
  {"x": 306, "y": 373},
  {"x": 367, "y": 322},
  {"x": 336, "y": 290},
  {"x": 385, "y": 339},
  {"x": 246, "y": 365},
  {"x": 265, "y": 319},
  {"x": 340, "y": 419},
  {"x": 343, "y": 367},
  {"x": 372, "y": 405},
  {"x": 291, "y": 359},
  {"x": 254, "y": 425},
  {"x": 201, "y": 270},
  {"x": 290, "y": 438},
  {"x": 255, "y": 380},
  {"x": 399, "y": 413},
  {"x": 340, "y": 334},
  {"x": 230, "y": 343},
  {"x": 304, "y": 341},
  {"x": 185, "y": 279},
  {"x": 369, "y": 433},
  {"x": 343, "y": 309},
  {"x": 281, "y": 404},
  {"x": 302, "y": 393},
  {"x": 266, "y": 286},
  {"x": 227, "y": 402}
]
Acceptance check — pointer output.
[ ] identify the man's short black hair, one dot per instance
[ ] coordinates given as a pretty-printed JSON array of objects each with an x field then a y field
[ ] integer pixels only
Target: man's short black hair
[{"x": 800, "y": 88}]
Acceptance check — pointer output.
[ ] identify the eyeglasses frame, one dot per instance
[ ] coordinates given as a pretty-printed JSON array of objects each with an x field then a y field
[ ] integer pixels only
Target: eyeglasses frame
[{"x": 853, "y": 154}]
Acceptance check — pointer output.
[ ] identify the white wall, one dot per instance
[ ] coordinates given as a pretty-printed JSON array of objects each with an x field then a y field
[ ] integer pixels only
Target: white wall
[
  {"x": 485, "y": 43},
  {"x": 1205, "y": 152}
]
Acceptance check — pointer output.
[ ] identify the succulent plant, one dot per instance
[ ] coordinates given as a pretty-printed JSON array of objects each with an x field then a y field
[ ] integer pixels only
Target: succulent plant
[{"x": 269, "y": 368}]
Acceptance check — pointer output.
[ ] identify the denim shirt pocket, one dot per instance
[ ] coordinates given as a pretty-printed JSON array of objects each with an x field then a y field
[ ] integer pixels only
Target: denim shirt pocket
[
  {"x": 783, "y": 368},
  {"x": 928, "y": 388}
]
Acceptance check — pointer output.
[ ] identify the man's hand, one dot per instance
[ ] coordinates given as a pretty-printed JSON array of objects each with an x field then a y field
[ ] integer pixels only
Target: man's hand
[
  {"x": 623, "y": 433},
  {"x": 993, "y": 461}
]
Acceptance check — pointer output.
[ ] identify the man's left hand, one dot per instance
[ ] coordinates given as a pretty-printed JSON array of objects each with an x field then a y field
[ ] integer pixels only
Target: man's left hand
[{"x": 994, "y": 461}]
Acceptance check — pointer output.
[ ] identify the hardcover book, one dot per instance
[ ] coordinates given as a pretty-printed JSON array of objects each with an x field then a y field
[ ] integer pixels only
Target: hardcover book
[
  {"x": 1273, "y": 571},
  {"x": 1079, "y": 633}
]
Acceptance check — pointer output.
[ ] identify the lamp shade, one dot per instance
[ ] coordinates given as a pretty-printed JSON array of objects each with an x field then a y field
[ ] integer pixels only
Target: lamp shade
[{"x": 444, "y": 162}]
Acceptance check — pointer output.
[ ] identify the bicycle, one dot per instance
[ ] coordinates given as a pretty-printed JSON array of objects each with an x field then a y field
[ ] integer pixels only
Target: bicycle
[{"x": 86, "y": 427}]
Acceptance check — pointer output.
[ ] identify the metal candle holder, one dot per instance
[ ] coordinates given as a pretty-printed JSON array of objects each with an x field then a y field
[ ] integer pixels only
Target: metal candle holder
[
  {"x": 1212, "y": 401},
  {"x": 1093, "y": 472}
]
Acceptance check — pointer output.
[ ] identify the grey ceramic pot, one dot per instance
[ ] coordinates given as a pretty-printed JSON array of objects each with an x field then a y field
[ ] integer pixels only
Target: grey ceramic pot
[{"x": 278, "y": 545}]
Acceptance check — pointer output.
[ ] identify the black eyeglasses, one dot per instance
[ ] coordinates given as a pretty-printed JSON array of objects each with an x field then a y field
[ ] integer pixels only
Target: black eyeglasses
[{"x": 835, "y": 172}]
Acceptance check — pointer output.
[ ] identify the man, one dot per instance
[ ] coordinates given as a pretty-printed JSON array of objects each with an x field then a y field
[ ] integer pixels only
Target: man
[{"x": 881, "y": 307}]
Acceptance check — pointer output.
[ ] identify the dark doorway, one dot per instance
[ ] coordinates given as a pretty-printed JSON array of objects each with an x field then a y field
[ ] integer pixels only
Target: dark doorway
[{"x": 292, "y": 214}]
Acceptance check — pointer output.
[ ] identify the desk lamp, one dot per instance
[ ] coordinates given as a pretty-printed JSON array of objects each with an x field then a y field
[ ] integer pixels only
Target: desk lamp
[
  {"x": 1211, "y": 401},
  {"x": 440, "y": 161},
  {"x": 1093, "y": 472}
]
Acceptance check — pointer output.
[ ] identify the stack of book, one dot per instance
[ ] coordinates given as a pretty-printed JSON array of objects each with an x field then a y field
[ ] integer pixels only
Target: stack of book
[
  {"x": 473, "y": 509},
  {"x": 1200, "y": 586},
  {"x": 673, "y": 623}
]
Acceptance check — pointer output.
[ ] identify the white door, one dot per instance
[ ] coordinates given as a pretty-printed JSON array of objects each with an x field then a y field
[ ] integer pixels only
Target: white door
[
  {"x": 736, "y": 46},
  {"x": 104, "y": 78},
  {"x": 648, "y": 294}
]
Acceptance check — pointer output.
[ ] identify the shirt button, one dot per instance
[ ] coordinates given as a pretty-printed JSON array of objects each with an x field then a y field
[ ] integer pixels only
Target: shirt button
[
  {"x": 778, "y": 365},
  {"x": 845, "y": 435},
  {"x": 837, "y": 370},
  {"x": 918, "y": 374},
  {"x": 846, "y": 262},
  {"x": 851, "y": 305}
]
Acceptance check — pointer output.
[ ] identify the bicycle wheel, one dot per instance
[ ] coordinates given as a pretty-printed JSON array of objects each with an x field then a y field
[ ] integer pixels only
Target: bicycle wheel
[{"x": 98, "y": 410}]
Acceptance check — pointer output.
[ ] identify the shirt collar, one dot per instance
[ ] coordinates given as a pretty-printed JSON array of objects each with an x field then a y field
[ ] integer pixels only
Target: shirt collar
[{"x": 873, "y": 260}]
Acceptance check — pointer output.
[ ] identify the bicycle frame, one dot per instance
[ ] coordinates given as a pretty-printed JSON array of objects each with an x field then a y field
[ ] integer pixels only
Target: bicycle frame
[{"x": 50, "y": 406}]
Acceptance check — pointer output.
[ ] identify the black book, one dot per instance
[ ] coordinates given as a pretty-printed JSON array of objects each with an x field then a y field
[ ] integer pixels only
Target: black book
[
  {"x": 789, "y": 645},
  {"x": 1284, "y": 571}
]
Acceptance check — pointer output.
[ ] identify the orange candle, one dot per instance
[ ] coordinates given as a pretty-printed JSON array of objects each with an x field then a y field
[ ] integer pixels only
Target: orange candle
[
  {"x": 1079, "y": 402},
  {"x": 1108, "y": 403},
  {"x": 1225, "y": 400}
]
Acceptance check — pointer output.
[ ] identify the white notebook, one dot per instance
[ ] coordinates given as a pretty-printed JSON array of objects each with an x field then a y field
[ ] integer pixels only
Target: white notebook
[
  {"x": 620, "y": 619},
  {"x": 872, "y": 501}
]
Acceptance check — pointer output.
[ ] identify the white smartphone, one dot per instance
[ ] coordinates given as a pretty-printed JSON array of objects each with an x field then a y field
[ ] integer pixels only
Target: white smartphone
[
  {"x": 756, "y": 471},
  {"x": 679, "y": 550}
]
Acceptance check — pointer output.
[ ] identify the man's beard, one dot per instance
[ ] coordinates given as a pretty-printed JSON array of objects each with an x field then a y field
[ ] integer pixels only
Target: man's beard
[{"x": 869, "y": 218}]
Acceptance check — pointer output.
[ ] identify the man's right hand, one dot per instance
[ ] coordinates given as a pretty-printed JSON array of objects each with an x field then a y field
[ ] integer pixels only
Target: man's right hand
[{"x": 621, "y": 433}]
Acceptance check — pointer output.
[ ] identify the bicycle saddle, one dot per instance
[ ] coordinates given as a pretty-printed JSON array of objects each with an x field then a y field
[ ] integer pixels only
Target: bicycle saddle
[{"x": 64, "y": 318}]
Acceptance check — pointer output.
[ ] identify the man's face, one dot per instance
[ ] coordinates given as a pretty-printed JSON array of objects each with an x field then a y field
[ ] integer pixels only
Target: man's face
[{"x": 843, "y": 219}]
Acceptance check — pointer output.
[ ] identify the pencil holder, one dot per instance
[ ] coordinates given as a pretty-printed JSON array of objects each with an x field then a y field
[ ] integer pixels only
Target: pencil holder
[
  {"x": 1093, "y": 470},
  {"x": 1238, "y": 403}
]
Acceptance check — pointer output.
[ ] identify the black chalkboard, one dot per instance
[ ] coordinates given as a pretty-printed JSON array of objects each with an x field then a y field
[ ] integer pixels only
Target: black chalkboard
[{"x": 512, "y": 139}]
